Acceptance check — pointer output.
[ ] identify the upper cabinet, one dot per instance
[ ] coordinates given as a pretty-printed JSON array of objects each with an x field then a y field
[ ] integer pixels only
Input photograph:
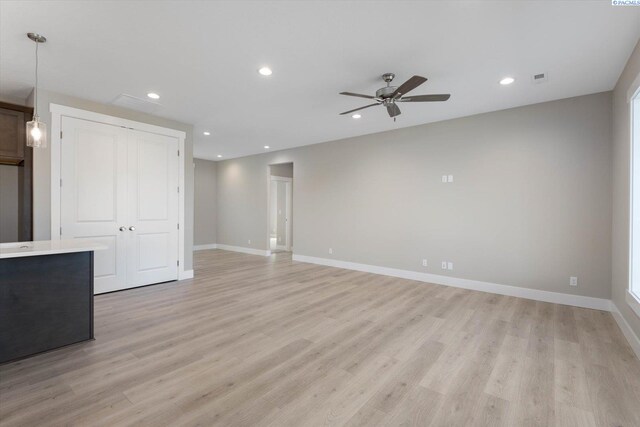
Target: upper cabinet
[{"x": 13, "y": 120}]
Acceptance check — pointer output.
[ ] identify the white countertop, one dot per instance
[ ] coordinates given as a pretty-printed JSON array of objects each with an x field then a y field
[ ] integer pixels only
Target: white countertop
[{"x": 47, "y": 247}]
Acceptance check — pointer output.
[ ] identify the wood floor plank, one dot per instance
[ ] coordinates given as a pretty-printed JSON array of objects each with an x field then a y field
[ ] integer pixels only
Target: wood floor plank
[
  {"x": 417, "y": 408},
  {"x": 507, "y": 372},
  {"x": 568, "y": 416},
  {"x": 415, "y": 368},
  {"x": 534, "y": 404},
  {"x": 266, "y": 341}
]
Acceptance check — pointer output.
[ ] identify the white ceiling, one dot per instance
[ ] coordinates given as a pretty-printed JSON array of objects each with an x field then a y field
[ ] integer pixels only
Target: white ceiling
[{"x": 202, "y": 57}]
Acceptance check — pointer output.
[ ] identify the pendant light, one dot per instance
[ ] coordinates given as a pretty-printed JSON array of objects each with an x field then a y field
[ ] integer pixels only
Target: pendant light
[{"x": 36, "y": 130}]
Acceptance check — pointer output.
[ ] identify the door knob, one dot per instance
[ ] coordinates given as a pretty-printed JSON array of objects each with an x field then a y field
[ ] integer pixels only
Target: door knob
[
  {"x": 122, "y": 228},
  {"x": 132, "y": 228}
]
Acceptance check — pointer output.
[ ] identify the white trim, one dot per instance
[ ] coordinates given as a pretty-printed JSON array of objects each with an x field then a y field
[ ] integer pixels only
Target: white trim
[
  {"x": 63, "y": 110},
  {"x": 634, "y": 93},
  {"x": 57, "y": 112},
  {"x": 205, "y": 247},
  {"x": 250, "y": 251},
  {"x": 185, "y": 274},
  {"x": 633, "y": 88},
  {"x": 514, "y": 291},
  {"x": 633, "y": 302},
  {"x": 633, "y": 339},
  {"x": 281, "y": 178},
  {"x": 289, "y": 207}
]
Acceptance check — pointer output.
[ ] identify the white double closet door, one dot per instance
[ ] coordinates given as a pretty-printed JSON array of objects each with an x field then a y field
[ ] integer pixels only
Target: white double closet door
[{"x": 120, "y": 187}]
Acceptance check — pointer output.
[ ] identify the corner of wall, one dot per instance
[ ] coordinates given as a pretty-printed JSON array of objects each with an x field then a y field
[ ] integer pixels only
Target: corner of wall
[{"x": 626, "y": 329}]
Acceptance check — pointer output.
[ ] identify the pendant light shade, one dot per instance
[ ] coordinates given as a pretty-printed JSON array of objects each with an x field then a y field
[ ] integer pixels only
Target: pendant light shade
[
  {"x": 36, "y": 130},
  {"x": 36, "y": 133}
]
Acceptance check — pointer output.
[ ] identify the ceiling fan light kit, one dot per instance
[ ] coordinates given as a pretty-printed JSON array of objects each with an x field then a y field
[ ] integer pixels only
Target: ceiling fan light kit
[{"x": 389, "y": 95}]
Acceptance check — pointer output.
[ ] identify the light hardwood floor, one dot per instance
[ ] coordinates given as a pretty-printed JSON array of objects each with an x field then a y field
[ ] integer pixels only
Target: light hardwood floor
[{"x": 271, "y": 342}]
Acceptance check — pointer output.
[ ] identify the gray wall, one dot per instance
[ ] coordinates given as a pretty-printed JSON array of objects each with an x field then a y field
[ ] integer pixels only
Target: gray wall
[
  {"x": 530, "y": 204},
  {"x": 42, "y": 163},
  {"x": 621, "y": 189},
  {"x": 9, "y": 203},
  {"x": 205, "y": 206}
]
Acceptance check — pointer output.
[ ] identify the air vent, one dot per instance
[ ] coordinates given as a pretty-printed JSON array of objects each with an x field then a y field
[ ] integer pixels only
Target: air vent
[
  {"x": 539, "y": 78},
  {"x": 138, "y": 104}
]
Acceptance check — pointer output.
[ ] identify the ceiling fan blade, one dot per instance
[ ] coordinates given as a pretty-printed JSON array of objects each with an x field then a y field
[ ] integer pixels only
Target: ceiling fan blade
[
  {"x": 393, "y": 110},
  {"x": 361, "y": 108},
  {"x": 425, "y": 98},
  {"x": 358, "y": 95},
  {"x": 408, "y": 86}
]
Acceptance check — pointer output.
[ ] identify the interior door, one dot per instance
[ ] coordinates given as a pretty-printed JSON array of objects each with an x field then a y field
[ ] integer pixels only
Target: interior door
[
  {"x": 152, "y": 208},
  {"x": 93, "y": 195}
]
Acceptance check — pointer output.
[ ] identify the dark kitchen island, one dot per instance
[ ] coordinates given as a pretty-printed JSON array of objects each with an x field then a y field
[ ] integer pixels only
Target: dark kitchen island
[{"x": 46, "y": 296}]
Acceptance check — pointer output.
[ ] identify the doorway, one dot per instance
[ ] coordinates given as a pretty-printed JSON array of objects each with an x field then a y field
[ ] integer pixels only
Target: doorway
[{"x": 281, "y": 207}]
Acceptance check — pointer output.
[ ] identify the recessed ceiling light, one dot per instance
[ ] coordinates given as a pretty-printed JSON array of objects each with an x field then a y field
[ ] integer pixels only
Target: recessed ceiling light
[
  {"x": 206, "y": 133},
  {"x": 265, "y": 71},
  {"x": 219, "y": 155},
  {"x": 266, "y": 147},
  {"x": 507, "y": 81},
  {"x": 356, "y": 116},
  {"x": 153, "y": 95}
]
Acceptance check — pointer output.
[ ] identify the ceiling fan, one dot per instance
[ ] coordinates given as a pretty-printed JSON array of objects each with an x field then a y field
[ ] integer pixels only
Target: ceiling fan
[{"x": 389, "y": 95}]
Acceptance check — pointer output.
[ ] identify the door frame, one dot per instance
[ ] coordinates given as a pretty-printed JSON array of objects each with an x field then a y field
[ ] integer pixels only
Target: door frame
[
  {"x": 289, "y": 193},
  {"x": 57, "y": 112}
]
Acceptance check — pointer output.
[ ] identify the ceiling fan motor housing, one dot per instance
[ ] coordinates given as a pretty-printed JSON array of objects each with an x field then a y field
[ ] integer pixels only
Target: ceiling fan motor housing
[{"x": 385, "y": 92}]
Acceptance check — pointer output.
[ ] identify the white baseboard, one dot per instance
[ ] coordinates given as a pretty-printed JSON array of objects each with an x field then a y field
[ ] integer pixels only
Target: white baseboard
[
  {"x": 205, "y": 247},
  {"x": 186, "y": 274},
  {"x": 250, "y": 251},
  {"x": 633, "y": 339},
  {"x": 514, "y": 291}
]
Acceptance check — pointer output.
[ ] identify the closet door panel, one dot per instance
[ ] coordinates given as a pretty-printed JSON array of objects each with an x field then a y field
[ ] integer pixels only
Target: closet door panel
[
  {"x": 152, "y": 208},
  {"x": 93, "y": 195}
]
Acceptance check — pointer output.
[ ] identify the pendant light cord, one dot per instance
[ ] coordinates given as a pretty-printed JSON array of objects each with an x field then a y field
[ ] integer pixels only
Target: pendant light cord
[{"x": 35, "y": 101}]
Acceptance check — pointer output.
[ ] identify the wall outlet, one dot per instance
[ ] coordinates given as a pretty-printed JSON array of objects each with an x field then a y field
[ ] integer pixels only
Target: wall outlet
[
  {"x": 249, "y": 241},
  {"x": 449, "y": 266},
  {"x": 330, "y": 250},
  {"x": 444, "y": 265},
  {"x": 424, "y": 262},
  {"x": 450, "y": 178},
  {"x": 573, "y": 281}
]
